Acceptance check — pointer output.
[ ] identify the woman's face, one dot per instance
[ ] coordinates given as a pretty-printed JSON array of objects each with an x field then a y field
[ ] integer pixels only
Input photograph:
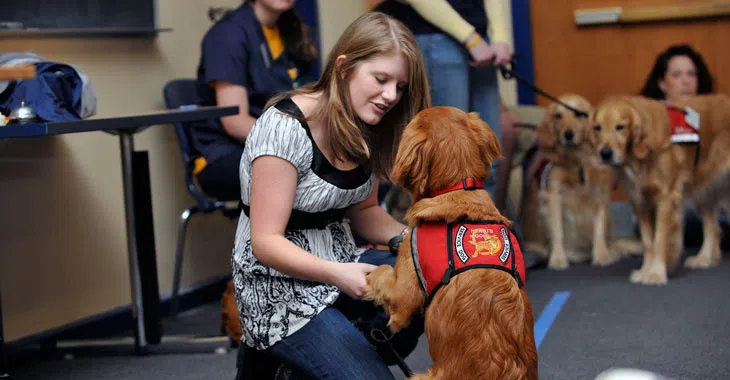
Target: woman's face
[
  {"x": 377, "y": 85},
  {"x": 277, "y": 5},
  {"x": 680, "y": 80}
]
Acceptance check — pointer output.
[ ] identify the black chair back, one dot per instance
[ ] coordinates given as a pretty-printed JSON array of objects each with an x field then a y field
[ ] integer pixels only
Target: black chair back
[{"x": 182, "y": 93}]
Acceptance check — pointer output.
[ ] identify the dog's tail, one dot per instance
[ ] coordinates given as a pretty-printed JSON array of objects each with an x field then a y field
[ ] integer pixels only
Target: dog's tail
[{"x": 627, "y": 246}]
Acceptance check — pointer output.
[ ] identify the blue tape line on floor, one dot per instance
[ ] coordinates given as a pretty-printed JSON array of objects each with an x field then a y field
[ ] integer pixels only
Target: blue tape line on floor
[{"x": 548, "y": 315}]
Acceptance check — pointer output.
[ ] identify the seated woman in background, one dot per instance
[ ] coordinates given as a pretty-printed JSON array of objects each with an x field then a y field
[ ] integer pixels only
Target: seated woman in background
[
  {"x": 680, "y": 73},
  {"x": 252, "y": 54}
]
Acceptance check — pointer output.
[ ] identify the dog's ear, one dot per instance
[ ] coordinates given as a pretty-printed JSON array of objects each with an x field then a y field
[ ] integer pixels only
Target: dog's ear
[
  {"x": 412, "y": 165},
  {"x": 489, "y": 148},
  {"x": 546, "y": 130},
  {"x": 590, "y": 129},
  {"x": 586, "y": 124},
  {"x": 639, "y": 133}
]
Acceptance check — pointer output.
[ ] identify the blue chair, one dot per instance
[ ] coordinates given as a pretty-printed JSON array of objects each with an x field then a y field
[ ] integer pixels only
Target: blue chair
[{"x": 181, "y": 93}]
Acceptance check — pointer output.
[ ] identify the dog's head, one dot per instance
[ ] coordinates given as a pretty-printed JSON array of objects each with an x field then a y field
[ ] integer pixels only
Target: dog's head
[
  {"x": 440, "y": 147},
  {"x": 619, "y": 131},
  {"x": 563, "y": 127}
]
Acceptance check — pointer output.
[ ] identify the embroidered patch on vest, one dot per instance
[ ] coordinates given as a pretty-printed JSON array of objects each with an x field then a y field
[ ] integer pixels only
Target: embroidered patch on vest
[
  {"x": 685, "y": 125},
  {"x": 482, "y": 241},
  {"x": 507, "y": 246}
]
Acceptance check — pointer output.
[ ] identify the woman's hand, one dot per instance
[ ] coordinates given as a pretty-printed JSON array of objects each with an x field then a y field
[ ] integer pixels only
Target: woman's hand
[
  {"x": 482, "y": 55},
  {"x": 501, "y": 53},
  {"x": 351, "y": 278}
]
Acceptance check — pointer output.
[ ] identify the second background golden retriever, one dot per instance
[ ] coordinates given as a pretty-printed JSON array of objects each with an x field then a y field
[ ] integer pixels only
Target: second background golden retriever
[{"x": 570, "y": 220}]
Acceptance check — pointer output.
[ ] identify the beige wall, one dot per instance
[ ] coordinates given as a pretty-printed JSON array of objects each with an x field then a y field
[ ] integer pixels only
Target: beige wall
[
  {"x": 62, "y": 233},
  {"x": 334, "y": 17}
]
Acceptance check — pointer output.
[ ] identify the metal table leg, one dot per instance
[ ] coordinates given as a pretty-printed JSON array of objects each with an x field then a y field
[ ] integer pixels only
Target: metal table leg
[{"x": 127, "y": 147}]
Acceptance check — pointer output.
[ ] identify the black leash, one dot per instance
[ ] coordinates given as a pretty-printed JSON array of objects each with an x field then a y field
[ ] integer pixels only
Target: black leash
[
  {"x": 508, "y": 72},
  {"x": 381, "y": 337}
]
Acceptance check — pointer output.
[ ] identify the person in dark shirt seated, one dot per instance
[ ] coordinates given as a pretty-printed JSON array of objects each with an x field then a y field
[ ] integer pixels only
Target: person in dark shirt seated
[{"x": 250, "y": 55}]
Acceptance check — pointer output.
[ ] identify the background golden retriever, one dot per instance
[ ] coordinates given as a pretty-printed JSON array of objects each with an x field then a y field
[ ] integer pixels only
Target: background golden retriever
[
  {"x": 479, "y": 325},
  {"x": 572, "y": 221},
  {"x": 633, "y": 134}
]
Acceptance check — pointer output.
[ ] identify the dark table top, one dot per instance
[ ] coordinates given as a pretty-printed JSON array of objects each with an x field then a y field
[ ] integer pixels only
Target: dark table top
[{"x": 114, "y": 124}]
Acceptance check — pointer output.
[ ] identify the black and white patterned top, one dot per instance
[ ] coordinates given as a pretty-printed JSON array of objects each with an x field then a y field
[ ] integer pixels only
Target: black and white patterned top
[{"x": 273, "y": 305}]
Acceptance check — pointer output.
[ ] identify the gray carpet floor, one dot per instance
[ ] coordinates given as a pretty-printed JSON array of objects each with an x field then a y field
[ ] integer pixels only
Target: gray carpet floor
[{"x": 681, "y": 330}]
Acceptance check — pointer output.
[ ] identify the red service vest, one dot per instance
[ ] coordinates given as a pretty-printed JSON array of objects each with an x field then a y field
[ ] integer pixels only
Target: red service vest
[
  {"x": 542, "y": 172},
  {"x": 441, "y": 251},
  {"x": 685, "y": 125}
]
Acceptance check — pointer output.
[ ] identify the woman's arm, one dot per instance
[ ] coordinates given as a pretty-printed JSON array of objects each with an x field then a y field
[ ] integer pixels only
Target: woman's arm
[
  {"x": 372, "y": 222},
  {"x": 272, "y": 197},
  {"x": 443, "y": 16},
  {"x": 497, "y": 14},
  {"x": 230, "y": 94}
]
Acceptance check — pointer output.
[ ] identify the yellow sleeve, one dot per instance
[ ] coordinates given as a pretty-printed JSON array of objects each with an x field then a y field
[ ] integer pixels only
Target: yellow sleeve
[
  {"x": 443, "y": 16},
  {"x": 497, "y": 15}
]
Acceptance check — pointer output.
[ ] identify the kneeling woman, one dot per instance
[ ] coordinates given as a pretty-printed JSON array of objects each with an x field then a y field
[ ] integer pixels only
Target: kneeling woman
[{"x": 309, "y": 173}]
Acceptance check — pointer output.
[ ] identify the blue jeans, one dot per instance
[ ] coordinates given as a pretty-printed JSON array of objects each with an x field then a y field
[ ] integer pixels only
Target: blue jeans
[
  {"x": 455, "y": 83},
  {"x": 330, "y": 346}
]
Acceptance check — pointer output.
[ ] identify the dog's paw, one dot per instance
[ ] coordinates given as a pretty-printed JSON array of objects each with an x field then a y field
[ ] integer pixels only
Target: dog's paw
[
  {"x": 603, "y": 257},
  {"x": 558, "y": 261},
  {"x": 378, "y": 282},
  {"x": 395, "y": 324},
  {"x": 702, "y": 261},
  {"x": 649, "y": 276}
]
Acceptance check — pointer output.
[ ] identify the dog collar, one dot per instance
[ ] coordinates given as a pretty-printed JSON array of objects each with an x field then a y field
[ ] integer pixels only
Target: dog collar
[{"x": 465, "y": 184}]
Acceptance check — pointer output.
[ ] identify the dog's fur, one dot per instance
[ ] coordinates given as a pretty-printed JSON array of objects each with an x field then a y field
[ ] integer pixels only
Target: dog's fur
[
  {"x": 230, "y": 319},
  {"x": 572, "y": 221},
  {"x": 479, "y": 325},
  {"x": 632, "y": 134}
]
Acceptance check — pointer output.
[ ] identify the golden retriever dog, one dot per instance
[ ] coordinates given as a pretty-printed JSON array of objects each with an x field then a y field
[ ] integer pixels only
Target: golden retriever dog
[
  {"x": 572, "y": 222},
  {"x": 230, "y": 319},
  {"x": 479, "y": 322},
  {"x": 634, "y": 136}
]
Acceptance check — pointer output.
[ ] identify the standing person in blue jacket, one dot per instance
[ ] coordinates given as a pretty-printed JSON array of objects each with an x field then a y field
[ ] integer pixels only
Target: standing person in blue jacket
[
  {"x": 252, "y": 54},
  {"x": 463, "y": 43}
]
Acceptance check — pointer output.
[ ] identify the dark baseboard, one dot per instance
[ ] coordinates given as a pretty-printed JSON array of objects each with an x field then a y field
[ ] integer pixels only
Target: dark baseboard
[{"x": 118, "y": 321}]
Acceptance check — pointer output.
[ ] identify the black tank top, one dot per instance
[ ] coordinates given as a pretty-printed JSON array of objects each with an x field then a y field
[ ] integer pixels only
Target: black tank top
[{"x": 470, "y": 10}]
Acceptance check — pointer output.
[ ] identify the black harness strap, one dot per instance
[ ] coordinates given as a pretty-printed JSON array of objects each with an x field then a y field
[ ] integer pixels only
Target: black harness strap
[{"x": 301, "y": 220}]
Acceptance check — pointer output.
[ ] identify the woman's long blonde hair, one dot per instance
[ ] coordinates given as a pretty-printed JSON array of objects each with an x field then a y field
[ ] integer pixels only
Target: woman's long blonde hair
[{"x": 372, "y": 34}]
